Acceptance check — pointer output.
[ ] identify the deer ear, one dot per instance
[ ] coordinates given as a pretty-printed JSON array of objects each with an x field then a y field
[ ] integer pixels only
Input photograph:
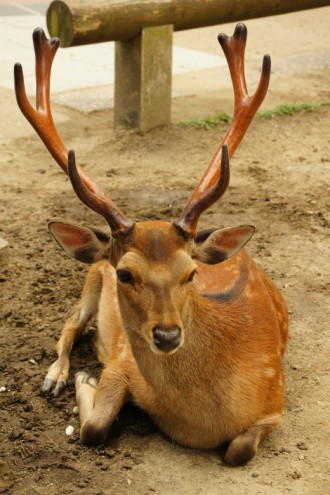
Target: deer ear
[
  {"x": 86, "y": 245},
  {"x": 218, "y": 245}
]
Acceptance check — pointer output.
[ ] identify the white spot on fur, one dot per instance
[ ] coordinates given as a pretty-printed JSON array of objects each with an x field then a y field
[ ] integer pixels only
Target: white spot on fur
[
  {"x": 280, "y": 380},
  {"x": 279, "y": 316},
  {"x": 269, "y": 372},
  {"x": 123, "y": 352},
  {"x": 249, "y": 292}
]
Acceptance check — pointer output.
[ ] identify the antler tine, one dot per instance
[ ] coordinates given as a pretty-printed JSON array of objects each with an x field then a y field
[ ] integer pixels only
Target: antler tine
[
  {"x": 187, "y": 223},
  {"x": 45, "y": 51},
  {"x": 100, "y": 203},
  {"x": 245, "y": 109},
  {"x": 234, "y": 49},
  {"x": 41, "y": 118},
  {"x": 245, "y": 106},
  {"x": 42, "y": 121}
]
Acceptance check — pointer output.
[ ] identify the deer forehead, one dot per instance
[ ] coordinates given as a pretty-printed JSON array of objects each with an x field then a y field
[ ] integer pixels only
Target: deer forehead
[
  {"x": 157, "y": 241},
  {"x": 158, "y": 254}
]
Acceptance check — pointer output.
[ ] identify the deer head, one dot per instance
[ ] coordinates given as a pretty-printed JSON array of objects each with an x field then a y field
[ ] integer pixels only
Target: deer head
[{"x": 155, "y": 261}]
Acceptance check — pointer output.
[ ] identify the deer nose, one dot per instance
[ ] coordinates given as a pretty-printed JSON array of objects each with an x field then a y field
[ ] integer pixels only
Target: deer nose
[{"x": 167, "y": 338}]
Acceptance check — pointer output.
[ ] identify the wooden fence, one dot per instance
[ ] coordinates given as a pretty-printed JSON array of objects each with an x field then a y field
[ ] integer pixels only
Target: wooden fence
[{"x": 143, "y": 30}]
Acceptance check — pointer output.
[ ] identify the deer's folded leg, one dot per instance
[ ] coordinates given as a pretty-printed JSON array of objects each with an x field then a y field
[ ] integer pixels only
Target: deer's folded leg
[{"x": 99, "y": 404}]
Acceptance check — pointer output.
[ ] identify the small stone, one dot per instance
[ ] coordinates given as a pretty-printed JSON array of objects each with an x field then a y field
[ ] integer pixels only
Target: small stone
[
  {"x": 255, "y": 475},
  {"x": 4, "y": 251},
  {"x": 3, "y": 389},
  {"x": 69, "y": 430},
  {"x": 7, "y": 477},
  {"x": 75, "y": 410},
  {"x": 302, "y": 446},
  {"x": 285, "y": 450},
  {"x": 301, "y": 457},
  {"x": 296, "y": 474}
]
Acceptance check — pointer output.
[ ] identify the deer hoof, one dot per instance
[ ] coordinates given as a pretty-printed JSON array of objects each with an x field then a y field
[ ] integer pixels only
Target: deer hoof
[
  {"x": 57, "y": 386},
  {"x": 47, "y": 385}
]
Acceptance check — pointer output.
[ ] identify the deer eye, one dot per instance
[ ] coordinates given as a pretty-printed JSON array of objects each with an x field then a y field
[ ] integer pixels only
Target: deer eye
[
  {"x": 191, "y": 276},
  {"x": 125, "y": 277}
]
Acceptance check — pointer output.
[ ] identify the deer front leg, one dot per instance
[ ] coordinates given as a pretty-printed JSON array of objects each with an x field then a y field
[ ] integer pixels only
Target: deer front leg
[
  {"x": 58, "y": 373},
  {"x": 245, "y": 445},
  {"x": 99, "y": 404}
]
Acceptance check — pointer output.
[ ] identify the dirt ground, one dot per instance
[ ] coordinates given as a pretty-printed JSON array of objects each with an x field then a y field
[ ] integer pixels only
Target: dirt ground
[{"x": 279, "y": 182}]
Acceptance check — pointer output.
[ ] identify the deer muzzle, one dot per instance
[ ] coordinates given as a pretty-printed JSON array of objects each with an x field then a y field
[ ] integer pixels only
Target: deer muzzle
[{"x": 167, "y": 339}]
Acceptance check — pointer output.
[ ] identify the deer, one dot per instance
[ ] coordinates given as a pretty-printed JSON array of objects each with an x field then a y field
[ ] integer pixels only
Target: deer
[{"x": 190, "y": 329}]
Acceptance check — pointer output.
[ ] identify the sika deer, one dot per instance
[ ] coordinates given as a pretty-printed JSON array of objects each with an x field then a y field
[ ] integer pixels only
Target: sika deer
[{"x": 189, "y": 327}]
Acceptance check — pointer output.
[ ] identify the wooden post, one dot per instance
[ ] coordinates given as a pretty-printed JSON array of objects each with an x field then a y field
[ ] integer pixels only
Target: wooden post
[
  {"x": 143, "y": 79},
  {"x": 78, "y": 22}
]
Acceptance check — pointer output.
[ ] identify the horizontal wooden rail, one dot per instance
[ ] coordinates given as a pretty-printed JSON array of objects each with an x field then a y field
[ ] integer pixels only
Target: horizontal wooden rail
[
  {"x": 142, "y": 30},
  {"x": 78, "y": 22}
]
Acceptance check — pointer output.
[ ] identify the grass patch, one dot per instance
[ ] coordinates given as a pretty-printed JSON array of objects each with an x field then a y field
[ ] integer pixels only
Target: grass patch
[
  {"x": 290, "y": 109},
  {"x": 207, "y": 122},
  {"x": 280, "y": 110}
]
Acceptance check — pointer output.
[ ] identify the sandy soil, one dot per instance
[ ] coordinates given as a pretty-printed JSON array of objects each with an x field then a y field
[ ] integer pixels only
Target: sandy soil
[{"x": 279, "y": 182}]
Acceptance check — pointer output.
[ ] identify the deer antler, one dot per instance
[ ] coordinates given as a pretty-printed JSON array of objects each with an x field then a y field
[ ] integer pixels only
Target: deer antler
[
  {"x": 42, "y": 121},
  {"x": 97, "y": 202},
  {"x": 206, "y": 198},
  {"x": 244, "y": 110}
]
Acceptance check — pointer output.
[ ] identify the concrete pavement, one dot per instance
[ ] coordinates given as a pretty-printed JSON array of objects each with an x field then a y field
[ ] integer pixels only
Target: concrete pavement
[
  {"x": 78, "y": 68},
  {"x": 82, "y": 77}
]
